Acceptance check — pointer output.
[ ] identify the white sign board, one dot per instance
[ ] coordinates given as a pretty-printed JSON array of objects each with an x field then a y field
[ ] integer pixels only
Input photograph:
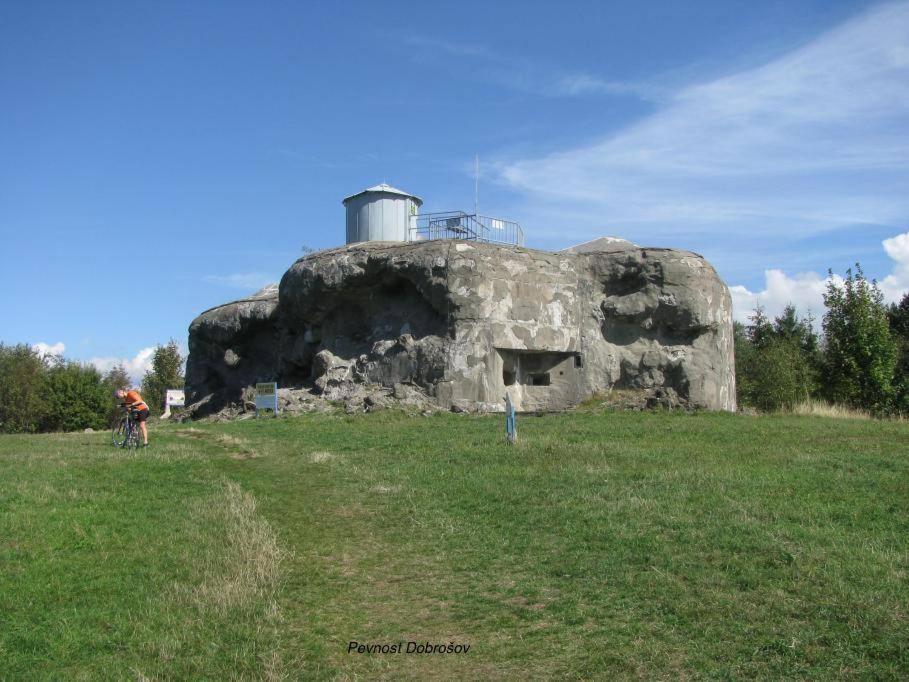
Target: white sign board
[
  {"x": 267, "y": 398},
  {"x": 174, "y": 397}
]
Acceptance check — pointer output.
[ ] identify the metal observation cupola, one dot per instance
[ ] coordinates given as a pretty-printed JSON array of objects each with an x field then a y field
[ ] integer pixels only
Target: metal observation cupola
[
  {"x": 385, "y": 213},
  {"x": 380, "y": 213}
]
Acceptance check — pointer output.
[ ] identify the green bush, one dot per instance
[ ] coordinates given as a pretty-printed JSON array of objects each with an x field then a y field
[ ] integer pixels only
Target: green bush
[
  {"x": 22, "y": 376},
  {"x": 75, "y": 398},
  {"x": 776, "y": 361},
  {"x": 778, "y": 375}
]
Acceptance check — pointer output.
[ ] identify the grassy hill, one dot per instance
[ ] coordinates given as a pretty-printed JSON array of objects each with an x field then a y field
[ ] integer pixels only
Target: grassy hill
[{"x": 602, "y": 545}]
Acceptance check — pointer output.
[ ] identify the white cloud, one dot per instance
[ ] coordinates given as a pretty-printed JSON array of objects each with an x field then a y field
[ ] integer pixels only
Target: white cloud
[
  {"x": 816, "y": 139},
  {"x": 45, "y": 349},
  {"x": 135, "y": 366},
  {"x": 576, "y": 84},
  {"x": 524, "y": 75},
  {"x": 896, "y": 284},
  {"x": 251, "y": 281},
  {"x": 805, "y": 290}
]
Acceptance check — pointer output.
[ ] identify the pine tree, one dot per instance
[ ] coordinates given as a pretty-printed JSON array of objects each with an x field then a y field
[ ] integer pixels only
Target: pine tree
[{"x": 760, "y": 330}]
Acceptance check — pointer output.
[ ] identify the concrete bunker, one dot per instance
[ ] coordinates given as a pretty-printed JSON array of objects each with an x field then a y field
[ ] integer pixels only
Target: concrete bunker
[
  {"x": 541, "y": 379},
  {"x": 456, "y": 310}
]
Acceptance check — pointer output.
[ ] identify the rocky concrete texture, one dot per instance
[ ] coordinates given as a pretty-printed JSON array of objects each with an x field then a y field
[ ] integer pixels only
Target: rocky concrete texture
[{"x": 456, "y": 324}]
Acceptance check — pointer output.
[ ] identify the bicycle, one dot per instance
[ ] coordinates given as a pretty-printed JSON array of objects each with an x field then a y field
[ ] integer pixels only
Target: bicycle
[{"x": 126, "y": 433}]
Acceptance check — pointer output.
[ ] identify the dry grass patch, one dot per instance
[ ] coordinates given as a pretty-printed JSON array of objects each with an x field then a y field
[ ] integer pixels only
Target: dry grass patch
[
  {"x": 323, "y": 456},
  {"x": 239, "y": 562},
  {"x": 352, "y": 511},
  {"x": 191, "y": 431},
  {"x": 820, "y": 408},
  {"x": 386, "y": 489},
  {"x": 239, "y": 448},
  {"x": 247, "y": 569}
]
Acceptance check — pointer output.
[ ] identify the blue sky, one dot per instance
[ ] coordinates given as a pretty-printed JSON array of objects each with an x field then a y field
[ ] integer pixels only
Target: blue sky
[{"x": 160, "y": 158}]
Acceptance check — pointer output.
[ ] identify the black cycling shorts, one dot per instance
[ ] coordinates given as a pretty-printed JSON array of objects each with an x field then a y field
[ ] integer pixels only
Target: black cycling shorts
[{"x": 140, "y": 415}]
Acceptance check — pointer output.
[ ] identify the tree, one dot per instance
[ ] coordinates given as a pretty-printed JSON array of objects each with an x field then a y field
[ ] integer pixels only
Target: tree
[
  {"x": 760, "y": 330},
  {"x": 116, "y": 378},
  {"x": 744, "y": 354},
  {"x": 898, "y": 318},
  {"x": 22, "y": 376},
  {"x": 860, "y": 356},
  {"x": 797, "y": 330},
  {"x": 776, "y": 361},
  {"x": 166, "y": 372},
  {"x": 76, "y": 398},
  {"x": 779, "y": 375}
]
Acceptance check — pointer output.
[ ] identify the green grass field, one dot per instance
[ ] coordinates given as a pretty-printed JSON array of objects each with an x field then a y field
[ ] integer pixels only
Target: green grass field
[{"x": 602, "y": 545}]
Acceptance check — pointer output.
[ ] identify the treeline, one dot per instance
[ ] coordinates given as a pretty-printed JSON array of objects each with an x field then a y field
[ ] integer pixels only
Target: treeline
[
  {"x": 861, "y": 360},
  {"x": 41, "y": 393}
]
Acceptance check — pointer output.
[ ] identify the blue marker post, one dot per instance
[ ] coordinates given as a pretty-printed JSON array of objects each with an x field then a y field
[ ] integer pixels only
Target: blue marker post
[
  {"x": 267, "y": 398},
  {"x": 511, "y": 431}
]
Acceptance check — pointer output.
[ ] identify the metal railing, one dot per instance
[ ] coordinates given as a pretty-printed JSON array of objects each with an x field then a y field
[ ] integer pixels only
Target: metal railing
[{"x": 461, "y": 225}]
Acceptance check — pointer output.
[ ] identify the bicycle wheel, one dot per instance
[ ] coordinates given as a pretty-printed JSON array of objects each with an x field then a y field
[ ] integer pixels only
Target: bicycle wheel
[
  {"x": 119, "y": 433},
  {"x": 134, "y": 435}
]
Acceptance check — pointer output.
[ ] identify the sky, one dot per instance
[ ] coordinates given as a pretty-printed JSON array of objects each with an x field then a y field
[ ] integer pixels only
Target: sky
[{"x": 160, "y": 158}]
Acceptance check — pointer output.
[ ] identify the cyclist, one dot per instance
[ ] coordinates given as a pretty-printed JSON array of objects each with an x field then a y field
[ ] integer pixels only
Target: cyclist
[{"x": 134, "y": 403}]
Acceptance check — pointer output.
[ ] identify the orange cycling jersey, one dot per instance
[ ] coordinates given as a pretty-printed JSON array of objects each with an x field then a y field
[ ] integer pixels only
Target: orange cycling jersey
[{"x": 134, "y": 400}]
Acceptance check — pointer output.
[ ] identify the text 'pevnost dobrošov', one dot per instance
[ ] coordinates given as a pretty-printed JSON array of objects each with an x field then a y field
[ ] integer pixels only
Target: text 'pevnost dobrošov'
[{"x": 407, "y": 648}]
